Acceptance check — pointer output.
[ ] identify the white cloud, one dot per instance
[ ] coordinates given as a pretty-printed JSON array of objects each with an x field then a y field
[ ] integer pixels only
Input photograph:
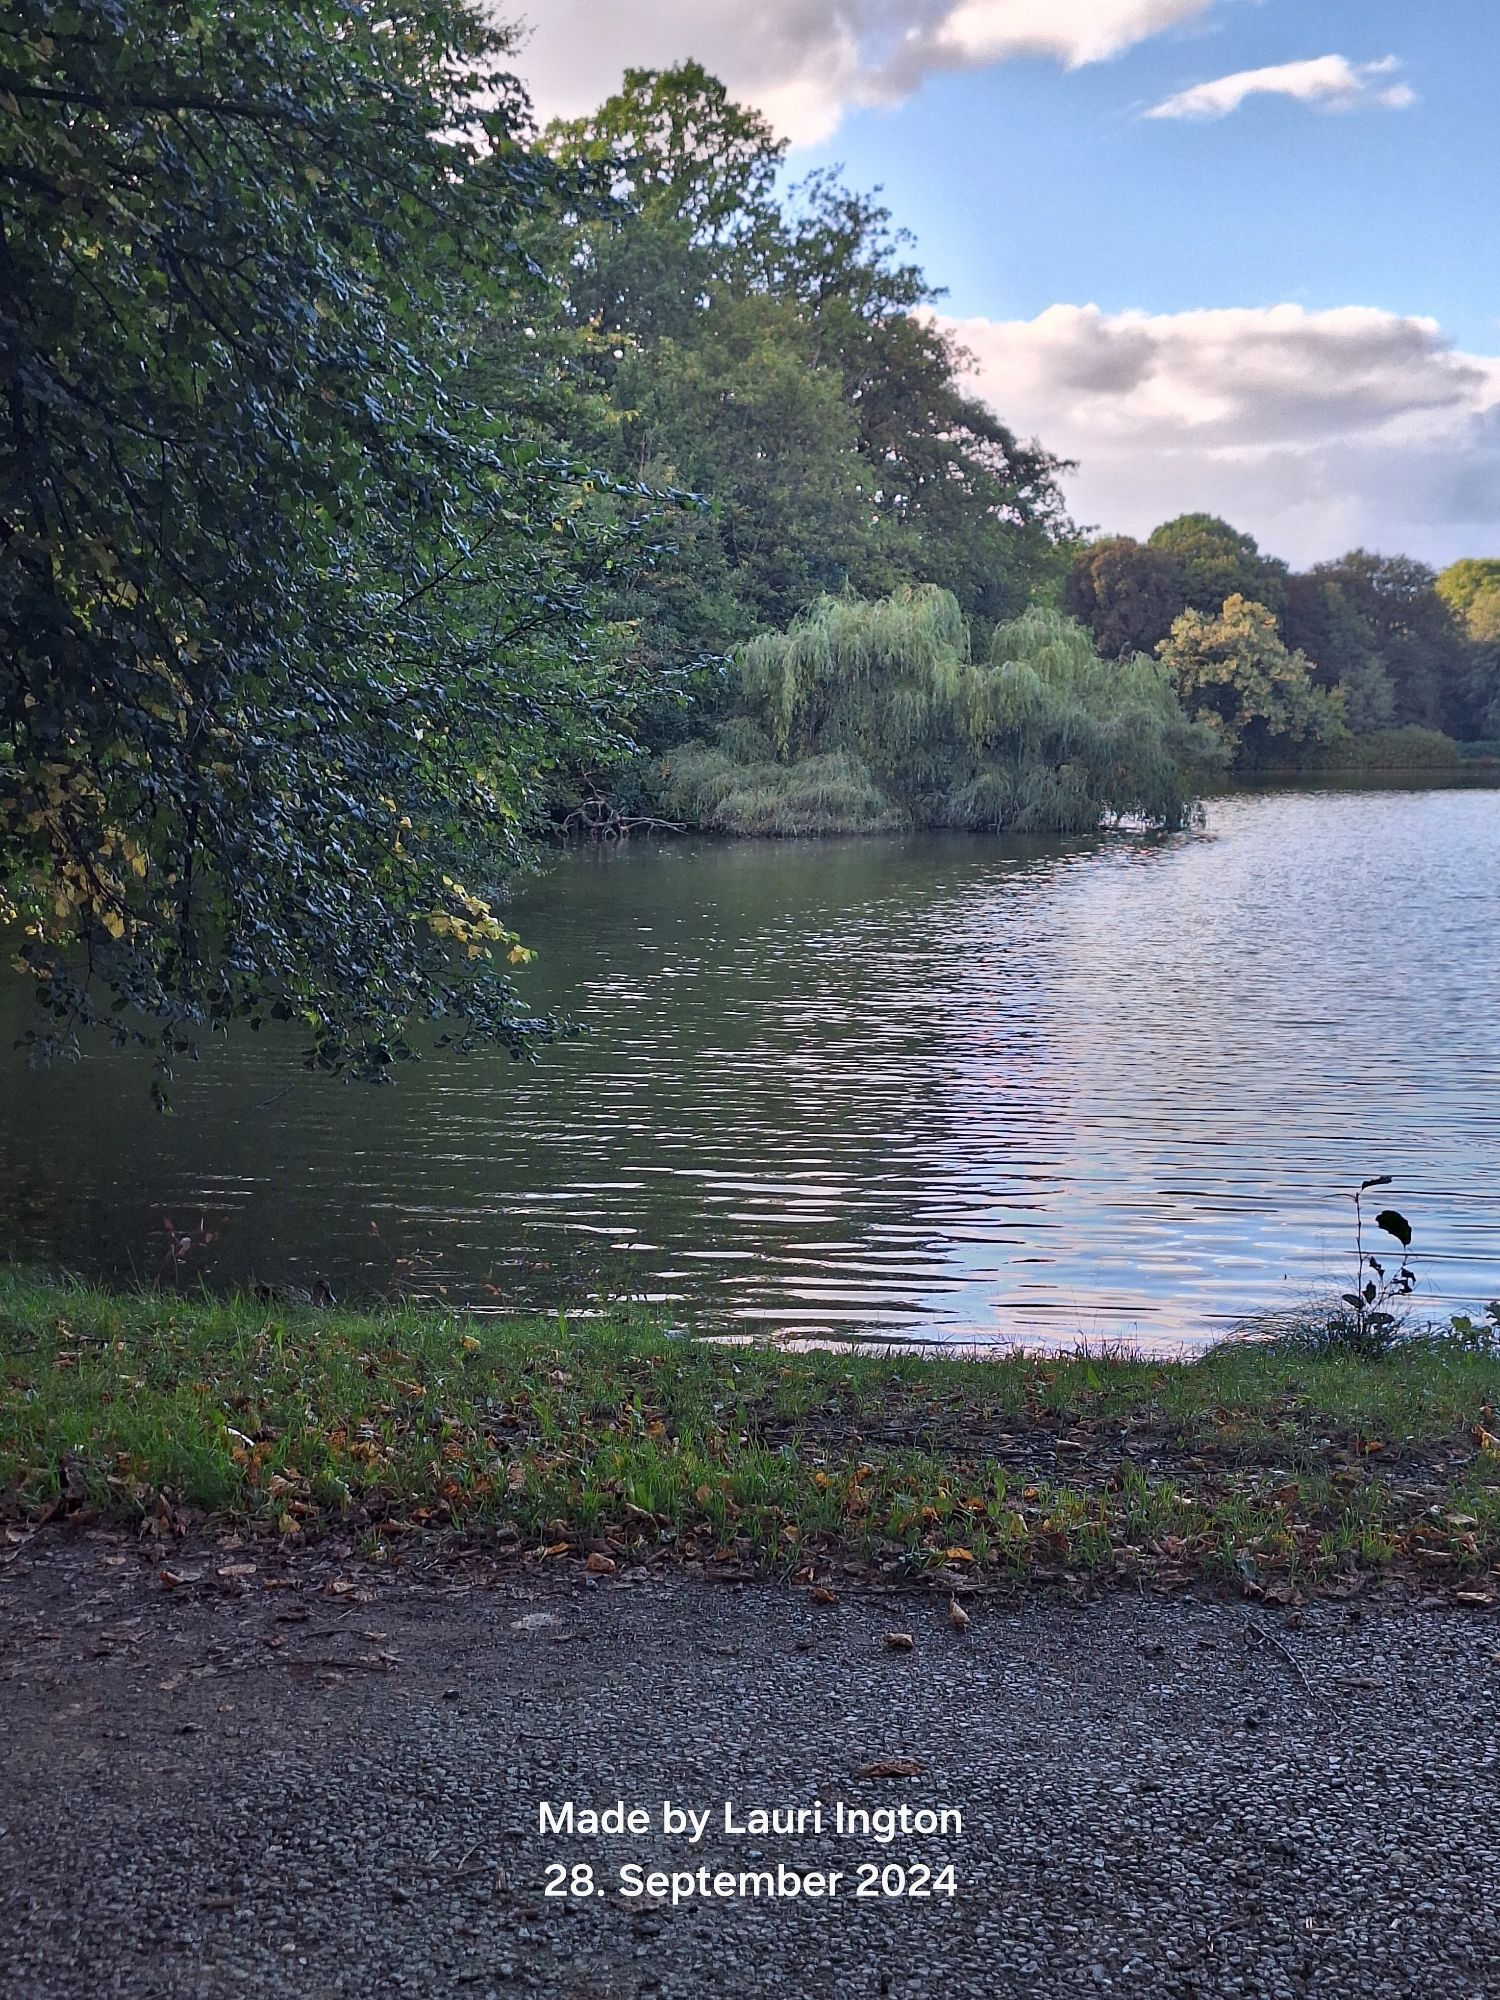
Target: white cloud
[
  {"x": 803, "y": 62},
  {"x": 1314, "y": 430},
  {"x": 1332, "y": 83}
]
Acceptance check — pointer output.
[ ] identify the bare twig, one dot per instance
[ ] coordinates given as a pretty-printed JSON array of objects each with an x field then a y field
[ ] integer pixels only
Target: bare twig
[{"x": 1261, "y": 1632}]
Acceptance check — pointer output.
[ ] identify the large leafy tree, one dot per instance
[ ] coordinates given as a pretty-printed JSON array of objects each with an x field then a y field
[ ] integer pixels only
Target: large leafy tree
[
  {"x": 1415, "y": 633},
  {"x": 1339, "y": 640},
  {"x": 778, "y": 358},
  {"x": 960, "y": 500},
  {"x": 1235, "y": 674},
  {"x": 293, "y": 628},
  {"x": 693, "y": 177},
  {"x": 874, "y": 715},
  {"x": 1217, "y": 562},
  {"x": 1471, "y": 590},
  {"x": 1127, "y": 593},
  {"x": 791, "y": 521}
]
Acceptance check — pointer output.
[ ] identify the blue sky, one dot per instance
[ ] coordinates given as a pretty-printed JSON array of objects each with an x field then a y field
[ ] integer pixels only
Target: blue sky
[
  {"x": 1026, "y": 183},
  {"x": 1277, "y": 298}
]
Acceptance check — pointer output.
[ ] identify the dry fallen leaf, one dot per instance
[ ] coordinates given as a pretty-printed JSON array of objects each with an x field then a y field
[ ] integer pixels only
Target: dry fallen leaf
[
  {"x": 892, "y": 1767},
  {"x": 171, "y": 1578},
  {"x": 821, "y": 1594},
  {"x": 238, "y": 1569},
  {"x": 900, "y": 1642},
  {"x": 958, "y": 1618},
  {"x": 600, "y": 1565},
  {"x": 337, "y": 1586}
]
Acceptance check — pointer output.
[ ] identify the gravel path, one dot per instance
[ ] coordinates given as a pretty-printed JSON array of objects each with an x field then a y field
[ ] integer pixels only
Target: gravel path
[{"x": 274, "y": 1784}]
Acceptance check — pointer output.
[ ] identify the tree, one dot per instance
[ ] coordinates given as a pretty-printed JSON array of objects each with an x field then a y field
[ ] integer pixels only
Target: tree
[
  {"x": 739, "y": 410},
  {"x": 1127, "y": 593},
  {"x": 293, "y": 629},
  {"x": 1235, "y": 674},
  {"x": 1320, "y": 621},
  {"x": 777, "y": 357},
  {"x": 1471, "y": 590},
  {"x": 872, "y": 715},
  {"x": 1419, "y": 641},
  {"x": 693, "y": 177},
  {"x": 1463, "y": 583},
  {"x": 962, "y": 502},
  {"x": 1219, "y": 562}
]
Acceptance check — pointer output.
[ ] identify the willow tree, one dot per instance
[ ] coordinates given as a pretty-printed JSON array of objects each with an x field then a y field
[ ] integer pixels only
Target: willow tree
[
  {"x": 291, "y": 627},
  {"x": 883, "y": 707}
]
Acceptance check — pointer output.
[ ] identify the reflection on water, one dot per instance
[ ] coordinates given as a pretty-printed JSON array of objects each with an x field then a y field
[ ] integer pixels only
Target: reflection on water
[{"x": 956, "y": 1088}]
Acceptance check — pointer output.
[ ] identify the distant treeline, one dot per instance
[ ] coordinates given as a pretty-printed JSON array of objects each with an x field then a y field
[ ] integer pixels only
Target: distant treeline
[{"x": 1403, "y": 646}]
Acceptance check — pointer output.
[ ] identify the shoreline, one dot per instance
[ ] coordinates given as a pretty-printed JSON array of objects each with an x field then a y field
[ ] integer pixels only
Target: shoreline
[{"x": 607, "y": 1444}]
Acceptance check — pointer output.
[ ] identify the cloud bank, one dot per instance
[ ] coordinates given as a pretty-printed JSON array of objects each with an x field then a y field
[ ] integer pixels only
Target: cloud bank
[
  {"x": 804, "y": 62},
  {"x": 1317, "y": 431},
  {"x": 1331, "y": 83}
]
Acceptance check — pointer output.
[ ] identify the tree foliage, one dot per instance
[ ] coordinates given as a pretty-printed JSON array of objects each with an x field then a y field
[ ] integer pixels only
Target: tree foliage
[
  {"x": 1235, "y": 674},
  {"x": 1127, "y": 593},
  {"x": 776, "y": 355},
  {"x": 1413, "y": 631},
  {"x": 864, "y": 715},
  {"x": 293, "y": 627},
  {"x": 1218, "y": 562}
]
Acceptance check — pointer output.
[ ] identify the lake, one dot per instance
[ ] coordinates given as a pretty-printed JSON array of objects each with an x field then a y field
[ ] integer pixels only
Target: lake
[{"x": 936, "y": 1087}]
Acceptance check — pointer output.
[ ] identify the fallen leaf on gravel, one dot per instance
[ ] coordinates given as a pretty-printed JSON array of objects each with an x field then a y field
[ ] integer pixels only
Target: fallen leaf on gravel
[
  {"x": 600, "y": 1565},
  {"x": 337, "y": 1586},
  {"x": 821, "y": 1594},
  {"x": 557, "y": 1549},
  {"x": 900, "y": 1642},
  {"x": 958, "y": 1618},
  {"x": 236, "y": 1569},
  {"x": 171, "y": 1578},
  {"x": 958, "y": 1555},
  {"x": 532, "y": 1621},
  {"x": 892, "y": 1767},
  {"x": 1474, "y": 1596}
]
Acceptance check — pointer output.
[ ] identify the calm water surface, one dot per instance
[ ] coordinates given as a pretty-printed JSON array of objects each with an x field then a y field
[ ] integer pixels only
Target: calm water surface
[{"x": 939, "y": 1087}]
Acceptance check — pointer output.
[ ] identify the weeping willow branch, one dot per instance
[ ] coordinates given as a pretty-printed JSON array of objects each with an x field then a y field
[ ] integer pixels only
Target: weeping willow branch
[{"x": 865, "y": 717}]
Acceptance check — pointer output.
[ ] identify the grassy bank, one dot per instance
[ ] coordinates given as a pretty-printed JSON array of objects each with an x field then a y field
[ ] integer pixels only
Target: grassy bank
[{"x": 609, "y": 1442}]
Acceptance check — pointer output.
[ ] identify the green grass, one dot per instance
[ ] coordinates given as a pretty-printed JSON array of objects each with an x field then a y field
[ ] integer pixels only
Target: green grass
[{"x": 1276, "y": 1471}]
